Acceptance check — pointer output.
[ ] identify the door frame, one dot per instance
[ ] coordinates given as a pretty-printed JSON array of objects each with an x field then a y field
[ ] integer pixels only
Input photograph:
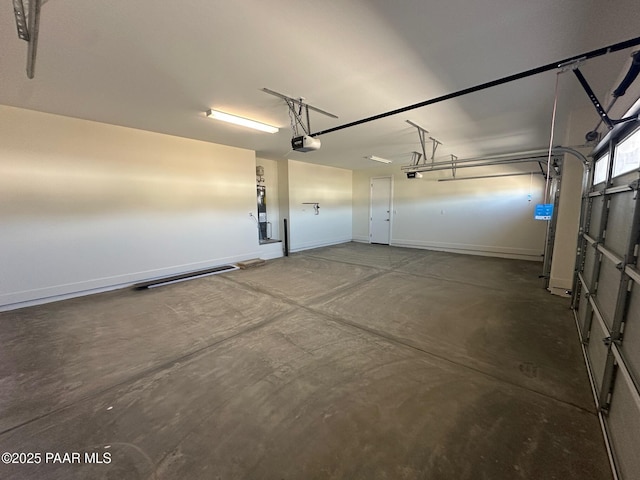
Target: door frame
[{"x": 391, "y": 210}]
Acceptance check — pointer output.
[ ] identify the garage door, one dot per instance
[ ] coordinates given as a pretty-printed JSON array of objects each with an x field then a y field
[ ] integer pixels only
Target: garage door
[{"x": 607, "y": 295}]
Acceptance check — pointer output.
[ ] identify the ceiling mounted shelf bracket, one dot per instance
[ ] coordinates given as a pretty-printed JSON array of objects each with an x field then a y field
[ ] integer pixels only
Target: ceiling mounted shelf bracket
[
  {"x": 434, "y": 147},
  {"x": 28, "y": 25},
  {"x": 422, "y": 135},
  {"x": 497, "y": 175},
  {"x": 297, "y": 118},
  {"x": 299, "y": 112},
  {"x": 21, "y": 19},
  {"x": 536, "y": 156},
  {"x": 415, "y": 159},
  {"x": 453, "y": 165}
]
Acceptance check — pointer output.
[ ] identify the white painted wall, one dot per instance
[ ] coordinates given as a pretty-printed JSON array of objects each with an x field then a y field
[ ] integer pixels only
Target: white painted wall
[
  {"x": 329, "y": 186},
  {"x": 88, "y": 206},
  {"x": 482, "y": 217}
]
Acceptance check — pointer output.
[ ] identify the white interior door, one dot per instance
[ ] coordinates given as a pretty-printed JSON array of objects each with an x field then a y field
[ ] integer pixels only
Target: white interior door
[{"x": 380, "y": 219}]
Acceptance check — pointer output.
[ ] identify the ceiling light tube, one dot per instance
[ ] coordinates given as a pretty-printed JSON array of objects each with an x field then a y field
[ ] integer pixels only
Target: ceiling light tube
[
  {"x": 244, "y": 122},
  {"x": 378, "y": 159}
]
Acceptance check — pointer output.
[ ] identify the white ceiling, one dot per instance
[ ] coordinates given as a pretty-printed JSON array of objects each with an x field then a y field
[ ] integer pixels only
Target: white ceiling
[{"x": 159, "y": 66}]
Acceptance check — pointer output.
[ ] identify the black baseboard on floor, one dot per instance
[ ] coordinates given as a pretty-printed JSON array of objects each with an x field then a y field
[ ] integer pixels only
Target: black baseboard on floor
[{"x": 184, "y": 276}]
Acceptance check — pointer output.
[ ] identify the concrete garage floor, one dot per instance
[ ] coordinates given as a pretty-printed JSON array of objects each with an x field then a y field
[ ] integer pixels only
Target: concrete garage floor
[{"x": 347, "y": 362}]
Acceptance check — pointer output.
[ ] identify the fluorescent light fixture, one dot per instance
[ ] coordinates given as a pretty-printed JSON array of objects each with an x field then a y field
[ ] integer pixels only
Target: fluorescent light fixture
[
  {"x": 378, "y": 159},
  {"x": 244, "y": 122}
]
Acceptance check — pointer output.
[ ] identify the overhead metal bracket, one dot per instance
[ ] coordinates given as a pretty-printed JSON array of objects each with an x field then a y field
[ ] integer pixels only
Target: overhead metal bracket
[
  {"x": 610, "y": 123},
  {"x": 316, "y": 206},
  {"x": 21, "y": 19},
  {"x": 542, "y": 172},
  {"x": 415, "y": 158},
  {"x": 497, "y": 175},
  {"x": 28, "y": 25},
  {"x": 299, "y": 112},
  {"x": 434, "y": 147},
  {"x": 297, "y": 115},
  {"x": 629, "y": 78},
  {"x": 607, "y": 341},
  {"x": 572, "y": 64},
  {"x": 422, "y": 135},
  {"x": 536, "y": 156},
  {"x": 453, "y": 165}
]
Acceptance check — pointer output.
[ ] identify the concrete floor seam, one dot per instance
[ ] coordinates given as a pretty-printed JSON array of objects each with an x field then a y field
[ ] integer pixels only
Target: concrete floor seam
[
  {"x": 397, "y": 269},
  {"x": 288, "y": 300},
  {"x": 450, "y": 280},
  {"x": 402, "y": 342},
  {"x": 309, "y": 367},
  {"x": 399, "y": 263},
  {"x": 349, "y": 288},
  {"x": 149, "y": 371}
]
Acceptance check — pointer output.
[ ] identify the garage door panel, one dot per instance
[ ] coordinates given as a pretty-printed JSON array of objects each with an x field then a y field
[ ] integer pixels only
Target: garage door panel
[
  {"x": 624, "y": 427},
  {"x": 608, "y": 286},
  {"x": 625, "y": 179},
  {"x": 584, "y": 315},
  {"x": 614, "y": 361},
  {"x": 596, "y": 217},
  {"x": 618, "y": 224},
  {"x": 598, "y": 352},
  {"x": 631, "y": 340},
  {"x": 590, "y": 257}
]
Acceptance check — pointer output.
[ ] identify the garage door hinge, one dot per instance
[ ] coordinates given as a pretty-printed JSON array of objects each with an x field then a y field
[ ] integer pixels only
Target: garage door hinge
[{"x": 608, "y": 341}]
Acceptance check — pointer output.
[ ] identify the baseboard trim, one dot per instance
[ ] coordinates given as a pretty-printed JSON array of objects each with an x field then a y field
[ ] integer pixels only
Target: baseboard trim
[
  {"x": 480, "y": 250},
  {"x": 55, "y": 293},
  {"x": 309, "y": 246}
]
